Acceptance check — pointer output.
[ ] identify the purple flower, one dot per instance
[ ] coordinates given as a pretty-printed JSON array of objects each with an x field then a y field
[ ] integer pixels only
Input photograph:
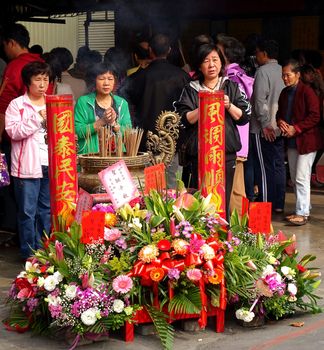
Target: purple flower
[
  {"x": 104, "y": 207},
  {"x": 121, "y": 243},
  {"x": 32, "y": 304},
  {"x": 174, "y": 274}
]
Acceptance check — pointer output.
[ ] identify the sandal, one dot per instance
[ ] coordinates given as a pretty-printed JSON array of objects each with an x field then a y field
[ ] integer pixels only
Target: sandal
[
  {"x": 288, "y": 217},
  {"x": 298, "y": 220}
]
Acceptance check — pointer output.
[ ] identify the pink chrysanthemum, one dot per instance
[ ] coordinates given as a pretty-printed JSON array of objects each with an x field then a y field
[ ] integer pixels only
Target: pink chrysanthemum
[
  {"x": 111, "y": 235},
  {"x": 122, "y": 284},
  {"x": 194, "y": 274}
]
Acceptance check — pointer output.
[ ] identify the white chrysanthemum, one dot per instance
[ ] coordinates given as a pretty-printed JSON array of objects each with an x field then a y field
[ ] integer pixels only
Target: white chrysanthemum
[
  {"x": 70, "y": 291},
  {"x": 268, "y": 270},
  {"x": 58, "y": 276},
  {"x": 50, "y": 283},
  {"x": 292, "y": 289},
  {"x": 40, "y": 282},
  {"x": 118, "y": 306},
  {"x": 53, "y": 301},
  {"x": 89, "y": 317},
  {"x": 244, "y": 315}
]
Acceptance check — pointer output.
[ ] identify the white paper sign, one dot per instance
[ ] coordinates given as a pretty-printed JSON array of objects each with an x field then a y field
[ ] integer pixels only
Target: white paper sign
[{"x": 119, "y": 184}]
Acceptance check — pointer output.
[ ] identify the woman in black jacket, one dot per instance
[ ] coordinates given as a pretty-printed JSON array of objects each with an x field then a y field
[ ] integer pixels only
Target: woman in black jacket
[{"x": 209, "y": 68}]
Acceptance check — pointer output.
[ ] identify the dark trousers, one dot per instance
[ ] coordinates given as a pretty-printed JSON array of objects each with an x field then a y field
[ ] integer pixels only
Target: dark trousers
[{"x": 266, "y": 169}]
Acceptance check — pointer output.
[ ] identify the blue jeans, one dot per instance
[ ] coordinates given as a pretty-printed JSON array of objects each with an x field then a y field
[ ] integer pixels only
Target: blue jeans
[{"x": 34, "y": 212}]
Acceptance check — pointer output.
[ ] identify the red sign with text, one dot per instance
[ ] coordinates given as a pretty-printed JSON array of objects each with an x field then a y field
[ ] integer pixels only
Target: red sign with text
[{"x": 211, "y": 148}]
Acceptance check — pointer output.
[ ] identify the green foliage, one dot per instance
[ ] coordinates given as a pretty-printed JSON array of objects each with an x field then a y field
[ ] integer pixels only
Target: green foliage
[
  {"x": 186, "y": 301},
  {"x": 164, "y": 330},
  {"x": 236, "y": 224},
  {"x": 119, "y": 265},
  {"x": 278, "y": 307}
]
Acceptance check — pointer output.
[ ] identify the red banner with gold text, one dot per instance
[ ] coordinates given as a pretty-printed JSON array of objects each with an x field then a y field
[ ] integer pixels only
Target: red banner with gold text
[
  {"x": 211, "y": 147},
  {"x": 62, "y": 154}
]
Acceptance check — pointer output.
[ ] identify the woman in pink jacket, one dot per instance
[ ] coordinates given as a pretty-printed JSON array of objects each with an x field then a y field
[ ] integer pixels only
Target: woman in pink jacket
[{"x": 25, "y": 123}]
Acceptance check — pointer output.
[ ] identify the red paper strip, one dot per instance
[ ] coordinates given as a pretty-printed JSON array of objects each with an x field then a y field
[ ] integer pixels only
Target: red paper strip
[
  {"x": 62, "y": 154},
  {"x": 85, "y": 202},
  {"x": 93, "y": 224},
  {"x": 260, "y": 217},
  {"x": 211, "y": 147},
  {"x": 155, "y": 178},
  {"x": 245, "y": 206}
]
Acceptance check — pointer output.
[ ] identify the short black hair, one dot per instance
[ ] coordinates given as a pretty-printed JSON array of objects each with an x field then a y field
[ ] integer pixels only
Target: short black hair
[
  {"x": 270, "y": 46},
  {"x": 17, "y": 32},
  {"x": 202, "y": 52},
  {"x": 34, "y": 68},
  {"x": 234, "y": 50},
  {"x": 160, "y": 45},
  {"x": 97, "y": 69}
]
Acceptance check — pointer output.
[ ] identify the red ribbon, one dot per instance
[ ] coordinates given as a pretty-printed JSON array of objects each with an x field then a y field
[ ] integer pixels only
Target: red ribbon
[{"x": 202, "y": 321}]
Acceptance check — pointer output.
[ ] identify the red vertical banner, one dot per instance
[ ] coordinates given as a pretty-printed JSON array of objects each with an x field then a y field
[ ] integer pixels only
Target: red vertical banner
[
  {"x": 211, "y": 147},
  {"x": 62, "y": 155}
]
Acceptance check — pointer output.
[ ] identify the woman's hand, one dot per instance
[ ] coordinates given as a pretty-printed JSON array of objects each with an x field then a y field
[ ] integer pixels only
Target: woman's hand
[
  {"x": 109, "y": 116},
  {"x": 227, "y": 102}
]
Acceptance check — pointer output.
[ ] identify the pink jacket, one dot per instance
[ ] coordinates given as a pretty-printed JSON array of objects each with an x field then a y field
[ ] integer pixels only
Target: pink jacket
[{"x": 22, "y": 124}]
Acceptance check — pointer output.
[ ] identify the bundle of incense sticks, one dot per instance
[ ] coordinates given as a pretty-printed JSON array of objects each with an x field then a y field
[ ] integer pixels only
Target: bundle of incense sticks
[
  {"x": 106, "y": 141},
  {"x": 132, "y": 140}
]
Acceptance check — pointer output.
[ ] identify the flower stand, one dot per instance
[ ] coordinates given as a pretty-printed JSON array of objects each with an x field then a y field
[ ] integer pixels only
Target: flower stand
[{"x": 208, "y": 310}]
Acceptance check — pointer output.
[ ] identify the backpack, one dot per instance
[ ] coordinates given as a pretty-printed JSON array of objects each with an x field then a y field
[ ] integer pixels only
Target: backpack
[{"x": 242, "y": 79}]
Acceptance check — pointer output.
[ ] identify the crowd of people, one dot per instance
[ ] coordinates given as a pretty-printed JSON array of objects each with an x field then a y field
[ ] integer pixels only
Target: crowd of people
[{"x": 273, "y": 115}]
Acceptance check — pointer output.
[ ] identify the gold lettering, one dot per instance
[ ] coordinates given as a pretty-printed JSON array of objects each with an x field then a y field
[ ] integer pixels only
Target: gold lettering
[
  {"x": 64, "y": 147},
  {"x": 63, "y": 122},
  {"x": 65, "y": 167},
  {"x": 65, "y": 192}
]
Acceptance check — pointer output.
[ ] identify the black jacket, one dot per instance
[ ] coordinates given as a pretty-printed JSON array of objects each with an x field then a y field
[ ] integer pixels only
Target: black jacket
[
  {"x": 189, "y": 101},
  {"x": 152, "y": 91}
]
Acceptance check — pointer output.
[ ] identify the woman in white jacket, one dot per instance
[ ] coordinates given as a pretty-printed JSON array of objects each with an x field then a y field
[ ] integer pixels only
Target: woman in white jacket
[{"x": 25, "y": 123}]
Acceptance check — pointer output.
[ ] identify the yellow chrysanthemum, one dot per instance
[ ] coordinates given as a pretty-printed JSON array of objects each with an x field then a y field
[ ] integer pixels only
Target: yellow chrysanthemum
[
  {"x": 180, "y": 246},
  {"x": 110, "y": 220},
  {"x": 148, "y": 253}
]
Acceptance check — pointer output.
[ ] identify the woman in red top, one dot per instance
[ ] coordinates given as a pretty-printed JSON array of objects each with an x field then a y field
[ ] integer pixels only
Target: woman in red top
[{"x": 298, "y": 118}]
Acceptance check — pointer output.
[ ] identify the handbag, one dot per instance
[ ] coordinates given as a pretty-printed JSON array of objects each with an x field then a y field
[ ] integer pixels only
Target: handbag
[{"x": 4, "y": 173}]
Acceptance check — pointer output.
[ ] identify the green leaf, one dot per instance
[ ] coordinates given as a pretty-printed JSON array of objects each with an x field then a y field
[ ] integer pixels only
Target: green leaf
[
  {"x": 164, "y": 330},
  {"x": 186, "y": 301}
]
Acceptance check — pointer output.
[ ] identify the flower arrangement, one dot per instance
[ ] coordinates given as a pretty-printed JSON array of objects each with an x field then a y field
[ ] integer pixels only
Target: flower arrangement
[
  {"x": 283, "y": 284},
  {"x": 65, "y": 286},
  {"x": 166, "y": 254}
]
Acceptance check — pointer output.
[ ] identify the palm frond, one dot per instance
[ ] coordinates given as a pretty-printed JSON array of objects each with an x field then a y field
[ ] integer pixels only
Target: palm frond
[
  {"x": 186, "y": 302},
  {"x": 164, "y": 330}
]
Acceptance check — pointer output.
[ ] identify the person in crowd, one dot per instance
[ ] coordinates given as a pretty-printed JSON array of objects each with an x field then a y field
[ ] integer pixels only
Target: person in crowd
[
  {"x": 117, "y": 57},
  {"x": 85, "y": 59},
  {"x": 36, "y": 49},
  {"x": 15, "y": 40},
  {"x": 154, "y": 90},
  {"x": 60, "y": 59},
  {"x": 209, "y": 67},
  {"x": 234, "y": 52},
  {"x": 311, "y": 77},
  {"x": 298, "y": 118},
  {"x": 25, "y": 124},
  {"x": 267, "y": 154},
  {"x": 99, "y": 108},
  {"x": 141, "y": 57}
]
